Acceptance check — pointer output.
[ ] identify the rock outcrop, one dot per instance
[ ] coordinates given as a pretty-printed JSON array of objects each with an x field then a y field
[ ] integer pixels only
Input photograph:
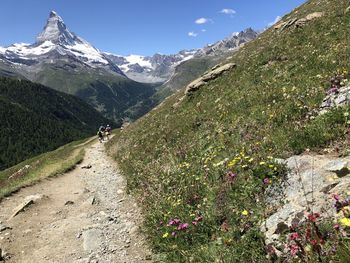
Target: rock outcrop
[
  {"x": 312, "y": 182},
  {"x": 208, "y": 76},
  {"x": 298, "y": 22},
  {"x": 29, "y": 200},
  {"x": 337, "y": 98}
]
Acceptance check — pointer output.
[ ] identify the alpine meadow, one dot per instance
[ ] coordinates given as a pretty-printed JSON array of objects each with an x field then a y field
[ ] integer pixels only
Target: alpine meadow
[{"x": 234, "y": 152}]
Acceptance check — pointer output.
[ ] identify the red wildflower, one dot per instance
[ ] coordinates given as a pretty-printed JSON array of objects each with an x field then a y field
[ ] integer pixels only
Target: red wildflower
[
  {"x": 293, "y": 236},
  {"x": 313, "y": 242},
  {"x": 294, "y": 249},
  {"x": 313, "y": 217}
]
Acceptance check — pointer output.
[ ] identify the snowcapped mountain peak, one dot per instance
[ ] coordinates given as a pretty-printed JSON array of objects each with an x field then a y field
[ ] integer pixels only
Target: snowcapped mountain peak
[
  {"x": 54, "y": 14},
  {"x": 56, "y": 31},
  {"x": 57, "y": 44}
]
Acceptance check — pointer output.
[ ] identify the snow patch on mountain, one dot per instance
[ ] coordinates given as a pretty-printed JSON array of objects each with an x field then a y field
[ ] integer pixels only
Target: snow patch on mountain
[
  {"x": 23, "y": 50},
  {"x": 85, "y": 50},
  {"x": 156, "y": 68},
  {"x": 136, "y": 59}
]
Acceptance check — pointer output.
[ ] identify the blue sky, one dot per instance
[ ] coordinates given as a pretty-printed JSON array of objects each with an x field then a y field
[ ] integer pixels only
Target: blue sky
[{"x": 141, "y": 26}]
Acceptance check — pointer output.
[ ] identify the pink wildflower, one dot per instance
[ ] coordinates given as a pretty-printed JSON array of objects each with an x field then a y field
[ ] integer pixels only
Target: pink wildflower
[
  {"x": 174, "y": 222},
  {"x": 336, "y": 196},
  {"x": 333, "y": 89},
  {"x": 267, "y": 181},
  {"x": 198, "y": 218},
  {"x": 293, "y": 236},
  {"x": 294, "y": 249},
  {"x": 313, "y": 242},
  {"x": 183, "y": 226},
  {"x": 231, "y": 175},
  {"x": 313, "y": 217}
]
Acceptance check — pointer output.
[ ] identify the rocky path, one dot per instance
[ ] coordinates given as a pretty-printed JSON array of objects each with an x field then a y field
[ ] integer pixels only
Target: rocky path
[{"x": 82, "y": 216}]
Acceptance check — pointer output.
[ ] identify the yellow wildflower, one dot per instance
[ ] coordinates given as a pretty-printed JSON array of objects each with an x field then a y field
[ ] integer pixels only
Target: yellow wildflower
[
  {"x": 165, "y": 235},
  {"x": 245, "y": 212},
  {"x": 232, "y": 163},
  {"x": 345, "y": 221}
]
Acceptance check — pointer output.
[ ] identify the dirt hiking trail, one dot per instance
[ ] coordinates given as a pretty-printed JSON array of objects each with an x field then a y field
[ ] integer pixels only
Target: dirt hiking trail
[{"x": 82, "y": 216}]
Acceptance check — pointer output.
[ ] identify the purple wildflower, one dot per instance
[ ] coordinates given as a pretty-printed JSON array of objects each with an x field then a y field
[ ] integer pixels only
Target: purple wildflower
[
  {"x": 183, "y": 226},
  {"x": 174, "y": 222},
  {"x": 267, "y": 181}
]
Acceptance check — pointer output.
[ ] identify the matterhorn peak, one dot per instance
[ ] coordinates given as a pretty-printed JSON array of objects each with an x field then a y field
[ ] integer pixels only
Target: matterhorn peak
[
  {"x": 53, "y": 14},
  {"x": 56, "y": 31}
]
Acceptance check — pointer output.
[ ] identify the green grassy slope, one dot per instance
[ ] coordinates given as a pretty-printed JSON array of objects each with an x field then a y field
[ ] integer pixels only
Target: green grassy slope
[
  {"x": 36, "y": 119},
  {"x": 208, "y": 156},
  {"x": 42, "y": 166},
  {"x": 185, "y": 73}
]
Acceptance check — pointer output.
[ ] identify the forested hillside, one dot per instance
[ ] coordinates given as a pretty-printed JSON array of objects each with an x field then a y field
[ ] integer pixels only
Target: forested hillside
[{"x": 36, "y": 119}]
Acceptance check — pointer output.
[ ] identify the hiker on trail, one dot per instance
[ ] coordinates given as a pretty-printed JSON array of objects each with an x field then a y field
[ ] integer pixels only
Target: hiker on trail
[
  {"x": 102, "y": 128},
  {"x": 101, "y": 132},
  {"x": 100, "y": 135},
  {"x": 108, "y": 131}
]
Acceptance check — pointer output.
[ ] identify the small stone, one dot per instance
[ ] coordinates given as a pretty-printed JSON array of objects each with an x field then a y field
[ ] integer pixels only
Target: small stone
[
  {"x": 27, "y": 231},
  {"x": 22, "y": 207},
  {"x": 69, "y": 202},
  {"x": 92, "y": 200},
  {"x": 86, "y": 190},
  {"x": 4, "y": 227}
]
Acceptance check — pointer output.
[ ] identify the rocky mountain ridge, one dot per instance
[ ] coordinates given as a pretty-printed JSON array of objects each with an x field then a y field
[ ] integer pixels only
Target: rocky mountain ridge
[{"x": 160, "y": 67}]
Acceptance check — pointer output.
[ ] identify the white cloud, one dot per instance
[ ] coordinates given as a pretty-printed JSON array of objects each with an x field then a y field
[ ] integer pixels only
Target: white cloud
[
  {"x": 192, "y": 34},
  {"x": 201, "y": 21},
  {"x": 228, "y": 11},
  {"x": 277, "y": 19},
  {"x": 204, "y": 30}
]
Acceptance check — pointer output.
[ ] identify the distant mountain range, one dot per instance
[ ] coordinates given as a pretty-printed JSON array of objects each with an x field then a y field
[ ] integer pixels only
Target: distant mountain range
[
  {"x": 160, "y": 68},
  {"x": 117, "y": 86}
]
